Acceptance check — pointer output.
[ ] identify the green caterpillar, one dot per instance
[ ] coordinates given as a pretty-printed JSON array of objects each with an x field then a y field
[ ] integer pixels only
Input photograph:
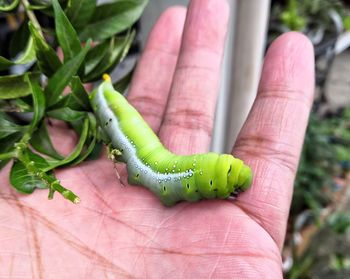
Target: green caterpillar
[{"x": 171, "y": 177}]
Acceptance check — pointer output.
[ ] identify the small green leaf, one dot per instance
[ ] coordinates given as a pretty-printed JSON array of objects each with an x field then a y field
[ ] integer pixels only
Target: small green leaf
[
  {"x": 79, "y": 95},
  {"x": 39, "y": 4},
  {"x": 66, "y": 35},
  {"x": 48, "y": 60},
  {"x": 7, "y": 127},
  {"x": 80, "y": 12},
  {"x": 75, "y": 153},
  {"x": 66, "y": 114},
  {"x": 63, "y": 76},
  {"x": 38, "y": 103},
  {"x": 95, "y": 56},
  {"x": 78, "y": 99},
  {"x": 16, "y": 86},
  {"x": 7, "y": 145},
  {"x": 23, "y": 180},
  {"x": 19, "y": 39},
  {"x": 6, "y": 6},
  {"x": 117, "y": 50},
  {"x": 90, "y": 148},
  {"x": 40, "y": 140},
  {"x": 112, "y": 18},
  {"x": 27, "y": 56}
]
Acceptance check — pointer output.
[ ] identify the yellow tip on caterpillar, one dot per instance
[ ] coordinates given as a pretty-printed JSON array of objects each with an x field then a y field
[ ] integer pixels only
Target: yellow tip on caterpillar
[{"x": 106, "y": 77}]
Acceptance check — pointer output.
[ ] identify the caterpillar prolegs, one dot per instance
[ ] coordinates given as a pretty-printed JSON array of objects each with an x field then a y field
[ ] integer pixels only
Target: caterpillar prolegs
[{"x": 171, "y": 177}]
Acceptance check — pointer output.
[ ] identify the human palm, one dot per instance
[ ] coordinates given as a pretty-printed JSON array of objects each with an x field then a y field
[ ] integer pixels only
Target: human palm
[{"x": 118, "y": 231}]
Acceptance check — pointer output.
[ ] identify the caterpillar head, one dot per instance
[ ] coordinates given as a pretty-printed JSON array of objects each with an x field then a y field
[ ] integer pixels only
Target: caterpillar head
[
  {"x": 245, "y": 178},
  {"x": 232, "y": 175}
]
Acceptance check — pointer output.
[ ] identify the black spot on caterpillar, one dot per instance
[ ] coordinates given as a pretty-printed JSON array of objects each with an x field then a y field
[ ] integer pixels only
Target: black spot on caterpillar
[{"x": 171, "y": 177}]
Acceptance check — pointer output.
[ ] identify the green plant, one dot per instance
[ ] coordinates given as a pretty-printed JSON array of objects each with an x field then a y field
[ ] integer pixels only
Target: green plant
[
  {"x": 290, "y": 17},
  {"x": 325, "y": 154},
  {"x": 94, "y": 38},
  {"x": 339, "y": 222},
  {"x": 299, "y": 15}
]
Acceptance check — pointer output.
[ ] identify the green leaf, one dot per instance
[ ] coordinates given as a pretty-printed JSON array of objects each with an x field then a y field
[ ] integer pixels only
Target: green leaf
[
  {"x": 75, "y": 153},
  {"x": 48, "y": 60},
  {"x": 39, "y": 5},
  {"x": 40, "y": 140},
  {"x": 66, "y": 114},
  {"x": 19, "y": 39},
  {"x": 79, "y": 96},
  {"x": 16, "y": 86},
  {"x": 6, "y": 7},
  {"x": 7, "y": 145},
  {"x": 38, "y": 103},
  {"x": 66, "y": 35},
  {"x": 90, "y": 148},
  {"x": 63, "y": 76},
  {"x": 95, "y": 56},
  {"x": 23, "y": 180},
  {"x": 80, "y": 12},
  {"x": 78, "y": 99},
  {"x": 117, "y": 50},
  {"x": 27, "y": 56},
  {"x": 7, "y": 127},
  {"x": 112, "y": 18}
]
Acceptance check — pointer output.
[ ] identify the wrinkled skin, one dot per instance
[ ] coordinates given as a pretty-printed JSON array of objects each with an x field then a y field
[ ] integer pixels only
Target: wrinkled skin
[{"x": 118, "y": 231}]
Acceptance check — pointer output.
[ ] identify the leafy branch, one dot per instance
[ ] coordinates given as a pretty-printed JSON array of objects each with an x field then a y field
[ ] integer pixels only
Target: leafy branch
[{"x": 34, "y": 81}]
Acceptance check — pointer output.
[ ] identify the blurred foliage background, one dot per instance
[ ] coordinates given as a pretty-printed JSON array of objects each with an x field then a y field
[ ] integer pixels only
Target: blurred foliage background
[{"x": 318, "y": 241}]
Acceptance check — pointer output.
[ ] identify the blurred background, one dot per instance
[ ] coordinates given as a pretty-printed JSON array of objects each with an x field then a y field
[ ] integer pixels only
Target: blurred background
[{"x": 318, "y": 237}]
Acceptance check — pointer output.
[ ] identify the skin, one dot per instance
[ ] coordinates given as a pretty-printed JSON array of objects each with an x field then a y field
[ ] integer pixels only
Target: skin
[{"x": 118, "y": 232}]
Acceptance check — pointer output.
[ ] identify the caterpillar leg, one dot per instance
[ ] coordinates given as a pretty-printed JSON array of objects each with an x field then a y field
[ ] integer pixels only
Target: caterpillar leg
[
  {"x": 115, "y": 154},
  {"x": 117, "y": 174}
]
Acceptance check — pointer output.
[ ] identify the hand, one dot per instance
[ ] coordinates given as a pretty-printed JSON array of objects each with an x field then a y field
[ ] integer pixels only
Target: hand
[{"x": 118, "y": 231}]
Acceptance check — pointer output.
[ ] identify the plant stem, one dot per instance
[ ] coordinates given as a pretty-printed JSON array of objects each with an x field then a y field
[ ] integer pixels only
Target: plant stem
[
  {"x": 52, "y": 183},
  {"x": 8, "y": 155},
  {"x": 32, "y": 16}
]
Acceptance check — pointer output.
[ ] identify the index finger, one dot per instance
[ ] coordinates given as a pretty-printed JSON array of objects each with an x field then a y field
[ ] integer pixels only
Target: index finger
[{"x": 272, "y": 137}]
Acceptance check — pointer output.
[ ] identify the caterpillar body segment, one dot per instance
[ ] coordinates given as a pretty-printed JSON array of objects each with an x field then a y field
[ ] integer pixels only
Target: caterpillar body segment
[{"x": 169, "y": 176}]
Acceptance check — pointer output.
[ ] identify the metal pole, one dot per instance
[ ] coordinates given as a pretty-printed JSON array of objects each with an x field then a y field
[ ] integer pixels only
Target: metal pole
[
  {"x": 249, "y": 45},
  {"x": 219, "y": 132}
]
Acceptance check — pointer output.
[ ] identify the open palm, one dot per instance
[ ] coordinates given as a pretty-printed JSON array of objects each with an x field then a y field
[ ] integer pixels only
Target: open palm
[{"x": 118, "y": 231}]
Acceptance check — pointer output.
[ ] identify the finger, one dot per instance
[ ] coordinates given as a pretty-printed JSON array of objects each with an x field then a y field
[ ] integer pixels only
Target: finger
[
  {"x": 272, "y": 137},
  {"x": 151, "y": 83},
  {"x": 188, "y": 120}
]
